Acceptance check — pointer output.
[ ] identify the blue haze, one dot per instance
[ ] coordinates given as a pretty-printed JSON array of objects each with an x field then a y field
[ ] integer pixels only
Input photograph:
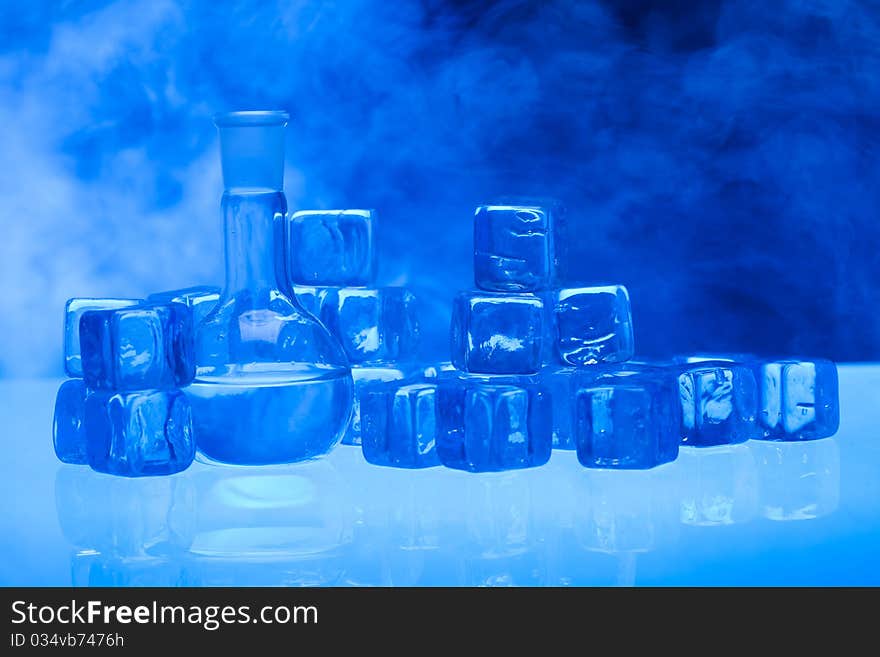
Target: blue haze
[{"x": 720, "y": 159}]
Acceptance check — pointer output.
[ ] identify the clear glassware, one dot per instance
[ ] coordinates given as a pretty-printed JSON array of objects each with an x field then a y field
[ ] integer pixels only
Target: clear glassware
[{"x": 272, "y": 385}]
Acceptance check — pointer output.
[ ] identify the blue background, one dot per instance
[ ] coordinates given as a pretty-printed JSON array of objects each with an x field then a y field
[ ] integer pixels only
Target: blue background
[{"x": 719, "y": 158}]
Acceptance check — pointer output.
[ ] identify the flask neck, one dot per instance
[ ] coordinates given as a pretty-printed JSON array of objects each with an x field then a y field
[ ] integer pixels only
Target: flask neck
[{"x": 253, "y": 222}]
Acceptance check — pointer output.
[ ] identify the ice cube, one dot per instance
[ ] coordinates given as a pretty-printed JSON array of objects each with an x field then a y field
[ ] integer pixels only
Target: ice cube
[
  {"x": 69, "y": 434},
  {"x": 137, "y": 434},
  {"x": 628, "y": 418},
  {"x": 492, "y": 426},
  {"x": 399, "y": 425},
  {"x": 512, "y": 248},
  {"x": 798, "y": 399},
  {"x": 364, "y": 378},
  {"x": 374, "y": 325},
  {"x": 718, "y": 403},
  {"x": 148, "y": 346},
  {"x": 498, "y": 333},
  {"x": 592, "y": 325},
  {"x": 562, "y": 384},
  {"x": 73, "y": 311},
  {"x": 331, "y": 247},
  {"x": 201, "y": 299}
]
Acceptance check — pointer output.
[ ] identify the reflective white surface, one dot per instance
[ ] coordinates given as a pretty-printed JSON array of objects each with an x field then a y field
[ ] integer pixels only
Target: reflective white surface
[{"x": 756, "y": 513}]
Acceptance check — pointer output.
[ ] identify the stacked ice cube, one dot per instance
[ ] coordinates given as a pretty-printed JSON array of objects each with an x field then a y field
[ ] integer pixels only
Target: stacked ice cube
[
  {"x": 513, "y": 339},
  {"x": 485, "y": 411},
  {"x": 566, "y": 341},
  {"x": 330, "y": 265},
  {"x": 124, "y": 413},
  {"x": 535, "y": 364},
  {"x": 497, "y": 414}
]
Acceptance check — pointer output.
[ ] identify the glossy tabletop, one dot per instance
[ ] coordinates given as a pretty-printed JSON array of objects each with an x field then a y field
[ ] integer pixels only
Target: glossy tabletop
[{"x": 752, "y": 514}]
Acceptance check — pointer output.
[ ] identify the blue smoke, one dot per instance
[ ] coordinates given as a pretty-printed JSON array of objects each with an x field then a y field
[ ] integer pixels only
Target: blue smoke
[{"x": 719, "y": 158}]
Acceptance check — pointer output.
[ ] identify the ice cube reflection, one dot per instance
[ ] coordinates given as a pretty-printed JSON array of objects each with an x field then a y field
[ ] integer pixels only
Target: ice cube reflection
[{"x": 339, "y": 521}]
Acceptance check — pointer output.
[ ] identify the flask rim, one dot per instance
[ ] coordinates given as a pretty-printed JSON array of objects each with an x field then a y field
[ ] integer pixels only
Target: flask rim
[{"x": 251, "y": 118}]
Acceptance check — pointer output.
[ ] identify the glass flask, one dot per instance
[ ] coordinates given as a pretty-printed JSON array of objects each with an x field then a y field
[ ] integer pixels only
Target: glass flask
[{"x": 272, "y": 385}]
